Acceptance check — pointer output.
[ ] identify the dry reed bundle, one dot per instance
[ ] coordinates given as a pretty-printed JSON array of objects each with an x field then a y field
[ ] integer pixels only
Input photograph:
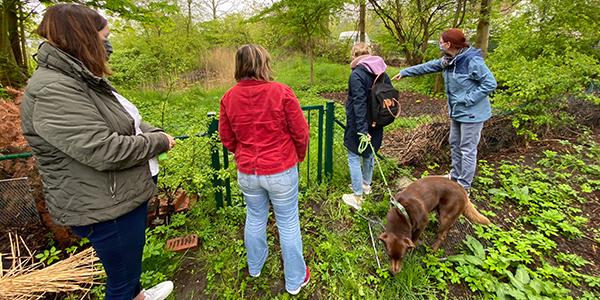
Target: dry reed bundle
[{"x": 28, "y": 280}]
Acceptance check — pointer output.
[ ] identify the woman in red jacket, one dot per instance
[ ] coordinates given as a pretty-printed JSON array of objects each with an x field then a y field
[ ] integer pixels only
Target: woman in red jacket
[{"x": 262, "y": 123}]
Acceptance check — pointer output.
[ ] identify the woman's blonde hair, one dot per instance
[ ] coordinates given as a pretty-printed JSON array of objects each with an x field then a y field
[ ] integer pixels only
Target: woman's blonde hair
[
  {"x": 254, "y": 62},
  {"x": 361, "y": 48}
]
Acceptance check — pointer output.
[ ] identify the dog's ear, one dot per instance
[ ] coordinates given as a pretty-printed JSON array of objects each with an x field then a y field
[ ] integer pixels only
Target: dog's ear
[
  {"x": 409, "y": 243},
  {"x": 383, "y": 237}
]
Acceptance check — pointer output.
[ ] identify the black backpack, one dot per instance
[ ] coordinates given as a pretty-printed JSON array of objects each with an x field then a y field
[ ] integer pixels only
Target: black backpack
[{"x": 382, "y": 104}]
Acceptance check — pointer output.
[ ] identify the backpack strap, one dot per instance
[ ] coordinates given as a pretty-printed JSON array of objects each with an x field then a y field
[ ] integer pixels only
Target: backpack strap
[
  {"x": 371, "y": 75},
  {"x": 382, "y": 79},
  {"x": 388, "y": 107}
]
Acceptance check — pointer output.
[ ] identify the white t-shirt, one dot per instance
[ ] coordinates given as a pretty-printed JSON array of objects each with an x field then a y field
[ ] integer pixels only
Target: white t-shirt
[{"x": 137, "y": 118}]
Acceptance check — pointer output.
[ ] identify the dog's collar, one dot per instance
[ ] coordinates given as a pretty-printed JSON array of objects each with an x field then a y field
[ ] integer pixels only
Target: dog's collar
[{"x": 401, "y": 208}]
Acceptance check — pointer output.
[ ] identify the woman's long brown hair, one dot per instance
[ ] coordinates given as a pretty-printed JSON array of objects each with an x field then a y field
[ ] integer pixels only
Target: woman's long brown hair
[{"x": 74, "y": 29}]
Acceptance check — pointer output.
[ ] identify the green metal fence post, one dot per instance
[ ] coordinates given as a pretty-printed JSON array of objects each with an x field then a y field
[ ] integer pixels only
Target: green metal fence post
[
  {"x": 320, "y": 147},
  {"x": 329, "y": 139},
  {"x": 213, "y": 127},
  {"x": 227, "y": 180}
]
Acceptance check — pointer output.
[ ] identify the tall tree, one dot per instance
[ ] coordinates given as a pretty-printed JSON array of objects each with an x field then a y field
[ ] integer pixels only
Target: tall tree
[
  {"x": 483, "y": 28},
  {"x": 303, "y": 20},
  {"x": 362, "y": 20},
  {"x": 217, "y": 8},
  {"x": 10, "y": 70},
  {"x": 414, "y": 22}
]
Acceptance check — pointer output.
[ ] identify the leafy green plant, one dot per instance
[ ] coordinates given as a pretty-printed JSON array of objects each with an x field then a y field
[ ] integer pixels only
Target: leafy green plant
[
  {"x": 49, "y": 256},
  {"x": 74, "y": 248}
]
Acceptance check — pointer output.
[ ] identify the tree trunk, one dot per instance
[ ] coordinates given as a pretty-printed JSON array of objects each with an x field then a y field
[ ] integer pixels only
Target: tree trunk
[
  {"x": 361, "y": 20},
  {"x": 412, "y": 59},
  {"x": 312, "y": 60},
  {"x": 483, "y": 28},
  {"x": 437, "y": 87},
  {"x": 214, "y": 10},
  {"x": 10, "y": 74},
  {"x": 189, "y": 23},
  {"x": 13, "y": 32},
  {"x": 23, "y": 40}
]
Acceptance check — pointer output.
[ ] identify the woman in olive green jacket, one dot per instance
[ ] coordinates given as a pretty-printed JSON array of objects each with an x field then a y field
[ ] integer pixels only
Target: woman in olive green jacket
[{"x": 91, "y": 148}]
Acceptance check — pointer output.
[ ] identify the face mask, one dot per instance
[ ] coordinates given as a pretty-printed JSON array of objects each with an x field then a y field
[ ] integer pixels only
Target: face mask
[
  {"x": 108, "y": 47},
  {"x": 442, "y": 48}
]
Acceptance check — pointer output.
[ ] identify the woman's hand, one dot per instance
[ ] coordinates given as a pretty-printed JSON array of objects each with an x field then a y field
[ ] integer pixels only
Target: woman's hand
[
  {"x": 171, "y": 141},
  {"x": 397, "y": 77}
]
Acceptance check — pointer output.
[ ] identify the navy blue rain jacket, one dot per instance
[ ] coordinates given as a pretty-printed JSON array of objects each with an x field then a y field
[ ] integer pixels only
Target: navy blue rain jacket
[{"x": 359, "y": 87}]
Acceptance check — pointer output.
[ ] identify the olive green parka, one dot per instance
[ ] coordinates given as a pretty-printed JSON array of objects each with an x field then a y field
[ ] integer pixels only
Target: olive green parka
[{"x": 93, "y": 166}]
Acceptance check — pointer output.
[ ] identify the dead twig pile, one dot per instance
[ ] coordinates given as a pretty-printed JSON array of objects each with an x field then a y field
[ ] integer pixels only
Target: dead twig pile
[
  {"x": 27, "y": 279},
  {"x": 416, "y": 146}
]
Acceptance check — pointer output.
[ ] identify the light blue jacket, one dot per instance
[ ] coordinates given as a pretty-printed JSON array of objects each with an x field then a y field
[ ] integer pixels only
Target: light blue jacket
[{"x": 468, "y": 81}]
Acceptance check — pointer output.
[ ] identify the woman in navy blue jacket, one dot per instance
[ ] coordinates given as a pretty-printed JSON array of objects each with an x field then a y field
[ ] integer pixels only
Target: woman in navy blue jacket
[
  {"x": 365, "y": 69},
  {"x": 468, "y": 82}
]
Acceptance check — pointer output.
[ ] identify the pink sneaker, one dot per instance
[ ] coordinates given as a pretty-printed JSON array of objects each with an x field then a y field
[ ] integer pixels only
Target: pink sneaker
[{"x": 295, "y": 292}]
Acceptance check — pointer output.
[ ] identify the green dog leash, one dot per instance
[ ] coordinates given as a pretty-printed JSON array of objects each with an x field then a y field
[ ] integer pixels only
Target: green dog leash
[{"x": 365, "y": 141}]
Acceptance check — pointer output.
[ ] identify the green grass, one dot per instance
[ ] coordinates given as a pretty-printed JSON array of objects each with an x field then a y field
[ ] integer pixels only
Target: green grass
[{"x": 180, "y": 108}]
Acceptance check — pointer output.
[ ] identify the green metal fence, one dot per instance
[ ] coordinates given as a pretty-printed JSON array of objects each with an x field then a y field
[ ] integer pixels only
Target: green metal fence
[{"x": 319, "y": 155}]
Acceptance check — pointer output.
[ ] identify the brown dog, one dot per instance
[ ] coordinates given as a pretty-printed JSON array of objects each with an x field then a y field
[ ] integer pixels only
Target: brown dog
[{"x": 418, "y": 199}]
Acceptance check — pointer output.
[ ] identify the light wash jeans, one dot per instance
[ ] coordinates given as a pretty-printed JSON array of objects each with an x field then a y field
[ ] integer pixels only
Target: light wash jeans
[
  {"x": 282, "y": 190},
  {"x": 464, "y": 138},
  {"x": 357, "y": 175}
]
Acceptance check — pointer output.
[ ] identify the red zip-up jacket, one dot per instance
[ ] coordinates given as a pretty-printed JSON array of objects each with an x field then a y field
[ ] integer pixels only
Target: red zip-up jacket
[{"x": 263, "y": 125}]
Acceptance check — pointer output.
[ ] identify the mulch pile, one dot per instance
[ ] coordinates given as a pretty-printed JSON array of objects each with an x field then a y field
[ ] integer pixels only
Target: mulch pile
[{"x": 10, "y": 121}]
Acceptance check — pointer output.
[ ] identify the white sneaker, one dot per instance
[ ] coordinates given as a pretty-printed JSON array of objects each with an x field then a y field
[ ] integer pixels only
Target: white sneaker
[
  {"x": 366, "y": 188},
  {"x": 256, "y": 274},
  {"x": 159, "y": 291},
  {"x": 353, "y": 200},
  {"x": 448, "y": 176}
]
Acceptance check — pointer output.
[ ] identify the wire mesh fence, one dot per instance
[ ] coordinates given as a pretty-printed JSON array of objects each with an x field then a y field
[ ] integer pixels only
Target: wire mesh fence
[
  {"x": 17, "y": 206},
  {"x": 22, "y": 165},
  {"x": 340, "y": 152}
]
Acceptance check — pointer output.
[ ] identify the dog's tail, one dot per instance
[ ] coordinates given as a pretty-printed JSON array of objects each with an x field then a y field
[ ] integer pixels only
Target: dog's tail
[{"x": 474, "y": 216}]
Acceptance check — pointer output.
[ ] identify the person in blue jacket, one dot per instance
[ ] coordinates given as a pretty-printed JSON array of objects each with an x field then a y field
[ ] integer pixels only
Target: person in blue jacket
[
  {"x": 365, "y": 68},
  {"x": 468, "y": 82}
]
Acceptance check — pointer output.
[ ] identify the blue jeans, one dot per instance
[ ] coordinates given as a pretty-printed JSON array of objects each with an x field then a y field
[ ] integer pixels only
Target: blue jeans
[
  {"x": 282, "y": 190},
  {"x": 464, "y": 138},
  {"x": 357, "y": 175},
  {"x": 119, "y": 244}
]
